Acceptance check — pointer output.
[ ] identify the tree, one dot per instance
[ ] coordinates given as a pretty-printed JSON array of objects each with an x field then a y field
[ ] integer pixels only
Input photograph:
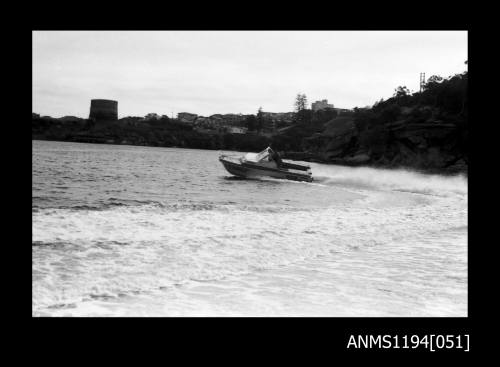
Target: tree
[
  {"x": 300, "y": 102},
  {"x": 379, "y": 102},
  {"x": 401, "y": 92},
  {"x": 151, "y": 116},
  {"x": 304, "y": 116},
  {"x": 433, "y": 84},
  {"x": 432, "y": 89},
  {"x": 435, "y": 79},
  {"x": 402, "y": 96},
  {"x": 260, "y": 119}
]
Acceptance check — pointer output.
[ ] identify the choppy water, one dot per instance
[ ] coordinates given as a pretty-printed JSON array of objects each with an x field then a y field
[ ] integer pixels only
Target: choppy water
[{"x": 144, "y": 231}]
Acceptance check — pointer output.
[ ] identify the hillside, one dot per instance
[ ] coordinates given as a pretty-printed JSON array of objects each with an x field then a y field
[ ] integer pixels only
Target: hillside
[{"x": 426, "y": 131}]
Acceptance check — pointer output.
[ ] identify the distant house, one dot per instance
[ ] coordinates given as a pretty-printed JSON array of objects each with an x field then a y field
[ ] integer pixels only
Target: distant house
[
  {"x": 203, "y": 122},
  {"x": 282, "y": 130},
  {"x": 236, "y": 130},
  {"x": 187, "y": 117},
  {"x": 321, "y": 105},
  {"x": 279, "y": 116},
  {"x": 231, "y": 118}
]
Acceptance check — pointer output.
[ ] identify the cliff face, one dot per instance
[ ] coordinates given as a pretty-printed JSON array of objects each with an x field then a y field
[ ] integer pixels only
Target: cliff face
[
  {"x": 426, "y": 131},
  {"x": 336, "y": 141},
  {"x": 432, "y": 145},
  {"x": 427, "y": 145}
]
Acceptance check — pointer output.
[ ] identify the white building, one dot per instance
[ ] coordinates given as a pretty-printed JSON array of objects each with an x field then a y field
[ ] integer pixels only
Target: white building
[
  {"x": 237, "y": 130},
  {"x": 321, "y": 105}
]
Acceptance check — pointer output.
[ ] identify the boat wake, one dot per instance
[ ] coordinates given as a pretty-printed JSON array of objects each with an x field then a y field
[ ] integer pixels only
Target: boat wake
[{"x": 366, "y": 178}]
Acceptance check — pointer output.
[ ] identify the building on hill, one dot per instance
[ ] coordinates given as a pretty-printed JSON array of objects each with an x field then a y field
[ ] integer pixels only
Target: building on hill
[
  {"x": 279, "y": 116},
  {"x": 232, "y": 119},
  {"x": 203, "y": 122},
  {"x": 321, "y": 105},
  {"x": 187, "y": 117},
  {"x": 103, "y": 109},
  {"x": 236, "y": 130}
]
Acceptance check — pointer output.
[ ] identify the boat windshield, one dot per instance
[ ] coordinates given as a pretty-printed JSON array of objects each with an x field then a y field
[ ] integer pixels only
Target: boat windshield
[
  {"x": 262, "y": 155},
  {"x": 265, "y": 156}
]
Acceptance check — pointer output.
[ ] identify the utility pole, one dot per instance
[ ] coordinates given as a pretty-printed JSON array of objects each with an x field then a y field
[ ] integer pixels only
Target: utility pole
[{"x": 422, "y": 81}]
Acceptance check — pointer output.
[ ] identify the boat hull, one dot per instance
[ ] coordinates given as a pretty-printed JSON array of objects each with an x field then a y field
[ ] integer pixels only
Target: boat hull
[{"x": 248, "y": 170}]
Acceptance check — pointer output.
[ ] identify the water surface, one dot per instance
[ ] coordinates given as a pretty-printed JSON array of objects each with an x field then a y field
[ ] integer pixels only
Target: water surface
[{"x": 145, "y": 231}]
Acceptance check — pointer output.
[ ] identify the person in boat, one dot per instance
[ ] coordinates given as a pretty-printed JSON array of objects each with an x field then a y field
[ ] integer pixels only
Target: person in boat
[{"x": 275, "y": 156}]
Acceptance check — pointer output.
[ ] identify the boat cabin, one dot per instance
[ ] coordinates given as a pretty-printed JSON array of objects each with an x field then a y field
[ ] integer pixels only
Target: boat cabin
[{"x": 264, "y": 158}]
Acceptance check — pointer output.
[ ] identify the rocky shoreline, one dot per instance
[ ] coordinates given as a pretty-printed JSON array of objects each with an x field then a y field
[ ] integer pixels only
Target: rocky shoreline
[
  {"x": 432, "y": 147},
  {"x": 458, "y": 168},
  {"x": 425, "y": 131}
]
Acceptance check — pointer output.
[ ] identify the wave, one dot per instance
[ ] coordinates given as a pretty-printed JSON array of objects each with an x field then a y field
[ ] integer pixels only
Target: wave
[
  {"x": 94, "y": 255},
  {"x": 111, "y": 248},
  {"x": 50, "y": 205}
]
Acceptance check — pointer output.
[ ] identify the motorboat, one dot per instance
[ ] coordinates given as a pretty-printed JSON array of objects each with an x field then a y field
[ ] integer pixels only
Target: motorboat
[{"x": 265, "y": 164}]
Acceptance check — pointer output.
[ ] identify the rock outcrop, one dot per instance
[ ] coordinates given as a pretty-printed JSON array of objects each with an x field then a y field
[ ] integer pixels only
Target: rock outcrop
[{"x": 427, "y": 130}]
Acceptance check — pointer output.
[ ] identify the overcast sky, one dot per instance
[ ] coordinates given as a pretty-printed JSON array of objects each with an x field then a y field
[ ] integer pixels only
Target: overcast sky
[{"x": 232, "y": 71}]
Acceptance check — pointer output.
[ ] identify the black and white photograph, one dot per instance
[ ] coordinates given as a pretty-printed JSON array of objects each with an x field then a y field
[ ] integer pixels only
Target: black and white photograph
[{"x": 239, "y": 173}]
